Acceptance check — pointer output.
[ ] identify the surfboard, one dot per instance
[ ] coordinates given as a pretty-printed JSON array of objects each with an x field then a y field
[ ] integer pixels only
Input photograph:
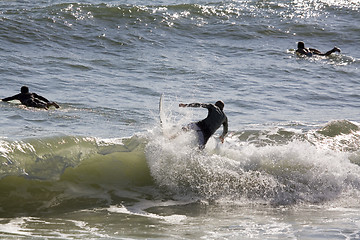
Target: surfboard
[{"x": 166, "y": 129}]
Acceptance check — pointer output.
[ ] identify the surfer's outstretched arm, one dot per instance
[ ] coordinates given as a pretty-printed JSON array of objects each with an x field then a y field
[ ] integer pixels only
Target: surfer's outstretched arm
[
  {"x": 15, "y": 97},
  {"x": 204, "y": 105}
]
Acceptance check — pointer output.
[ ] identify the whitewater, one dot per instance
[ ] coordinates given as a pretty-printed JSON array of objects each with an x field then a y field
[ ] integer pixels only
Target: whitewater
[{"x": 103, "y": 167}]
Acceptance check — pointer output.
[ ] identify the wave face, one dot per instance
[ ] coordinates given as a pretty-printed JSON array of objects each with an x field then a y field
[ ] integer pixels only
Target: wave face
[{"x": 69, "y": 173}]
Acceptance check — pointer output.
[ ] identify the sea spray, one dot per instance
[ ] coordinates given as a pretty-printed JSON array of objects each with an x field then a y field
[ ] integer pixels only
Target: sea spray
[{"x": 278, "y": 166}]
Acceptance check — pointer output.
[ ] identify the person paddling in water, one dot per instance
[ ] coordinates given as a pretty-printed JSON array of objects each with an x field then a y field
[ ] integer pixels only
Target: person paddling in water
[
  {"x": 208, "y": 126},
  {"x": 302, "y": 50},
  {"x": 31, "y": 99}
]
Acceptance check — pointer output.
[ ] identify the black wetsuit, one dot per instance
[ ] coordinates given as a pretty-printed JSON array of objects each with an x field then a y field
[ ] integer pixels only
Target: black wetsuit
[
  {"x": 215, "y": 118},
  {"x": 29, "y": 100}
]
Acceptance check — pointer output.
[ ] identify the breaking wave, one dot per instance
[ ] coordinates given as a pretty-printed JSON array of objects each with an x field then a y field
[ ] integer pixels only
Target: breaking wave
[{"x": 278, "y": 166}]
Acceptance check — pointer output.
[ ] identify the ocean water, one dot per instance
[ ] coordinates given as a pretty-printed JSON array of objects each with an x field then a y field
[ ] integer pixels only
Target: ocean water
[{"x": 102, "y": 167}]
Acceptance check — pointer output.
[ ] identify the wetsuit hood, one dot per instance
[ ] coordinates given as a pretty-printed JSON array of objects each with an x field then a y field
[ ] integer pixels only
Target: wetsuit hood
[
  {"x": 301, "y": 45},
  {"x": 220, "y": 104},
  {"x": 24, "y": 89}
]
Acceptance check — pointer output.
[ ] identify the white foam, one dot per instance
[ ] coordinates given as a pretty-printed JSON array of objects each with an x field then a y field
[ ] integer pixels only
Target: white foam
[
  {"x": 21, "y": 226},
  {"x": 15, "y": 227},
  {"x": 316, "y": 174},
  {"x": 272, "y": 166},
  {"x": 136, "y": 211}
]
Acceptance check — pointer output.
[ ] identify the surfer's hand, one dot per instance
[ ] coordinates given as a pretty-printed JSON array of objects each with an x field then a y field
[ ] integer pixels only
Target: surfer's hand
[
  {"x": 182, "y": 105},
  {"x": 56, "y": 105},
  {"x": 221, "y": 139}
]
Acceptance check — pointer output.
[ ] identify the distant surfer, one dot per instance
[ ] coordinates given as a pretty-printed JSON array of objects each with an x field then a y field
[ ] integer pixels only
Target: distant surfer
[
  {"x": 208, "y": 126},
  {"x": 31, "y": 99},
  {"x": 302, "y": 50}
]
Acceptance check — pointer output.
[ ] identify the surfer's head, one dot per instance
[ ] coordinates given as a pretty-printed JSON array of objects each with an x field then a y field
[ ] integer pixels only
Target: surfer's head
[
  {"x": 24, "y": 89},
  {"x": 301, "y": 45},
  {"x": 220, "y": 104}
]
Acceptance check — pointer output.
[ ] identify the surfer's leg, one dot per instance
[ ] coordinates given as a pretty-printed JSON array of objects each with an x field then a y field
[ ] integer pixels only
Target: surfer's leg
[
  {"x": 335, "y": 49},
  {"x": 199, "y": 135},
  {"x": 191, "y": 126},
  {"x": 201, "y": 139}
]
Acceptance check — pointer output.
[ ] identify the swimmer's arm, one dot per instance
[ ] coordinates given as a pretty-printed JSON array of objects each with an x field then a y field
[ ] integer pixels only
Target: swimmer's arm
[
  {"x": 204, "y": 105},
  {"x": 225, "y": 130},
  {"x": 41, "y": 98},
  {"x": 15, "y": 97}
]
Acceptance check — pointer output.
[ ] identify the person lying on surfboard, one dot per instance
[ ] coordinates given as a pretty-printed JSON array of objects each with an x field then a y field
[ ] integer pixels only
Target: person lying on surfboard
[
  {"x": 312, "y": 51},
  {"x": 302, "y": 50},
  {"x": 31, "y": 99},
  {"x": 208, "y": 126}
]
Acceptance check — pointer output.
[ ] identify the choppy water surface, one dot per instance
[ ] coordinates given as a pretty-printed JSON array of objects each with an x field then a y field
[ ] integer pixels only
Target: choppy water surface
[{"x": 101, "y": 167}]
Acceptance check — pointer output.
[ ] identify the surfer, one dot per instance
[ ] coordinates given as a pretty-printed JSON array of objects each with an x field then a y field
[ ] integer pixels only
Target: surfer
[
  {"x": 302, "y": 50},
  {"x": 31, "y": 99},
  {"x": 208, "y": 126}
]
